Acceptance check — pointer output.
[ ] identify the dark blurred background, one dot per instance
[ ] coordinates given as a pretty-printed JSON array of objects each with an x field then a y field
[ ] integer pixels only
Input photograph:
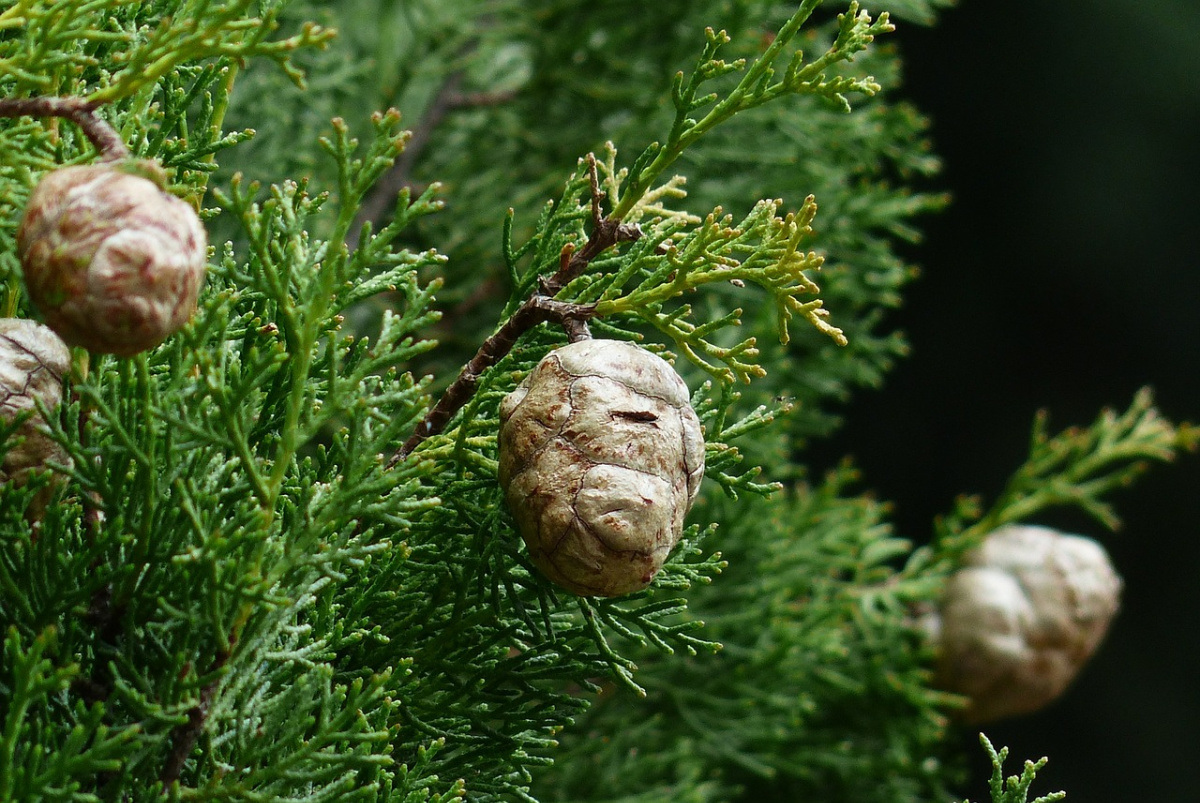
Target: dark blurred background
[{"x": 1065, "y": 276}]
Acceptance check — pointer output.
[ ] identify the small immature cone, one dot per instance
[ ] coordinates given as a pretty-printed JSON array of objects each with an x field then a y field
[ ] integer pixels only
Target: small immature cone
[
  {"x": 33, "y": 361},
  {"x": 112, "y": 261},
  {"x": 1020, "y": 618},
  {"x": 601, "y": 456}
]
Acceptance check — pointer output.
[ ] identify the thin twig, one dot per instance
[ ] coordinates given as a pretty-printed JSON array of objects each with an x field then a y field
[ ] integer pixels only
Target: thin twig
[
  {"x": 606, "y": 232},
  {"x": 79, "y": 111},
  {"x": 539, "y": 308},
  {"x": 184, "y": 737}
]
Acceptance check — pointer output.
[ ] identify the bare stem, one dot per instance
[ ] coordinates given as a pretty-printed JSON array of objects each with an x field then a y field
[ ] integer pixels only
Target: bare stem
[
  {"x": 606, "y": 232},
  {"x": 183, "y": 737},
  {"x": 541, "y": 307},
  {"x": 80, "y": 112},
  {"x": 538, "y": 309}
]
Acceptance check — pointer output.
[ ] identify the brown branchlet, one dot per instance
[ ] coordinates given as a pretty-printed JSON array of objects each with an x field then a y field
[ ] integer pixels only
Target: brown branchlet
[
  {"x": 539, "y": 308},
  {"x": 81, "y": 112}
]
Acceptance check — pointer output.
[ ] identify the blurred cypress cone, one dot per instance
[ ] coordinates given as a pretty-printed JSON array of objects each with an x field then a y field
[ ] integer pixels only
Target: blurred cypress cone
[
  {"x": 1021, "y": 617},
  {"x": 112, "y": 261},
  {"x": 33, "y": 362}
]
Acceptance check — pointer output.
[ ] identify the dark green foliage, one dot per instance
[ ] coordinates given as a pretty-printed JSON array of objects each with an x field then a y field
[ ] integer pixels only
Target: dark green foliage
[
  {"x": 819, "y": 690},
  {"x": 235, "y": 597}
]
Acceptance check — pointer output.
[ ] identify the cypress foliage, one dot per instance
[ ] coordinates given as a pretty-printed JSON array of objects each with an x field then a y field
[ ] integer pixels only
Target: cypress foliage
[{"x": 242, "y": 591}]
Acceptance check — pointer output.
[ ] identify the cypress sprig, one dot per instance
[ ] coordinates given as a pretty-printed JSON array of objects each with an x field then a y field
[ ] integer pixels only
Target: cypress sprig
[
  {"x": 1015, "y": 788},
  {"x": 191, "y": 32},
  {"x": 1077, "y": 467},
  {"x": 234, "y": 596},
  {"x": 88, "y": 747},
  {"x": 856, "y": 30}
]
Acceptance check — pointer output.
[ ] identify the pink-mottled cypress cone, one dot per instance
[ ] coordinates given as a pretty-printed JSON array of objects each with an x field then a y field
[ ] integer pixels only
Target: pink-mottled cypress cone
[
  {"x": 112, "y": 261},
  {"x": 1021, "y": 617},
  {"x": 601, "y": 456},
  {"x": 33, "y": 361}
]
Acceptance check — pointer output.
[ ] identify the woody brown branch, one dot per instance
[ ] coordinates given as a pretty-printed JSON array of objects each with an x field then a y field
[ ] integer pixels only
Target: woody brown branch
[
  {"x": 183, "y": 737},
  {"x": 539, "y": 308},
  {"x": 80, "y": 112}
]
